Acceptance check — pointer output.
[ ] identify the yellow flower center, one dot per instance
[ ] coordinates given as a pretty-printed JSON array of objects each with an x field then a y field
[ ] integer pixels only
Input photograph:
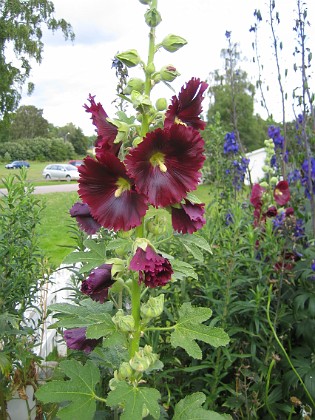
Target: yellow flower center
[
  {"x": 157, "y": 159},
  {"x": 122, "y": 185},
  {"x": 278, "y": 192},
  {"x": 178, "y": 121}
]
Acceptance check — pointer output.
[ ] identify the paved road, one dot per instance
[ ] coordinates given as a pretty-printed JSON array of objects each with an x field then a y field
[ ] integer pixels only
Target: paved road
[{"x": 45, "y": 189}]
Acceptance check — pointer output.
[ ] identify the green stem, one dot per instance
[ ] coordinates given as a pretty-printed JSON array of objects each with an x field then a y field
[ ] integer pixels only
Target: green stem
[
  {"x": 267, "y": 388},
  {"x": 283, "y": 349},
  {"x": 99, "y": 398},
  {"x": 161, "y": 328},
  {"x": 135, "y": 311}
]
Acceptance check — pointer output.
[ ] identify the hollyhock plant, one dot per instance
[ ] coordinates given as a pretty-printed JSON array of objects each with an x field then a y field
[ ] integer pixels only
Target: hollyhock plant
[
  {"x": 106, "y": 188},
  {"x": 106, "y": 131},
  {"x": 189, "y": 217},
  {"x": 76, "y": 340},
  {"x": 86, "y": 222},
  {"x": 97, "y": 284},
  {"x": 165, "y": 166},
  {"x": 281, "y": 193},
  {"x": 256, "y": 195},
  {"x": 186, "y": 108},
  {"x": 154, "y": 270}
]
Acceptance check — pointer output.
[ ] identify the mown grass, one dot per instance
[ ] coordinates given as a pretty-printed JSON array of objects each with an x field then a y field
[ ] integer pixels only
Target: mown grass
[{"x": 56, "y": 240}]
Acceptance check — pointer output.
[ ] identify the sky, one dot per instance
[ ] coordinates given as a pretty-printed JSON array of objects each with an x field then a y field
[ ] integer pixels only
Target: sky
[{"x": 70, "y": 71}]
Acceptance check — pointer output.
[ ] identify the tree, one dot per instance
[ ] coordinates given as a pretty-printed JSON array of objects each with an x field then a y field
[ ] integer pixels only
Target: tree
[
  {"x": 27, "y": 123},
  {"x": 21, "y": 31},
  {"x": 232, "y": 96},
  {"x": 75, "y": 136}
]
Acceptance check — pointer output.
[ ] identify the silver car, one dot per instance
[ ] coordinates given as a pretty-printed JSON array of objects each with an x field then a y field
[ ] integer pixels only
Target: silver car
[{"x": 61, "y": 172}]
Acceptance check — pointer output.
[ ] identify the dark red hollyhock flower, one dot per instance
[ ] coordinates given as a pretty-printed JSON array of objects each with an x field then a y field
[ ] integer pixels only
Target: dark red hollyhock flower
[
  {"x": 189, "y": 217},
  {"x": 154, "y": 270},
  {"x": 110, "y": 194},
  {"x": 97, "y": 284},
  {"x": 81, "y": 212},
  {"x": 287, "y": 263},
  {"x": 76, "y": 340},
  {"x": 271, "y": 212},
  {"x": 165, "y": 165},
  {"x": 289, "y": 212},
  {"x": 187, "y": 107},
  {"x": 256, "y": 195},
  {"x": 106, "y": 131},
  {"x": 281, "y": 193}
]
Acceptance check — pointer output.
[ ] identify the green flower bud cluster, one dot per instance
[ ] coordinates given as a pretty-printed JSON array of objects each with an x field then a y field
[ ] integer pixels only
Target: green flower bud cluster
[
  {"x": 152, "y": 308},
  {"x": 143, "y": 359},
  {"x": 124, "y": 323},
  {"x": 134, "y": 84},
  {"x": 157, "y": 224},
  {"x": 168, "y": 73},
  {"x": 270, "y": 151}
]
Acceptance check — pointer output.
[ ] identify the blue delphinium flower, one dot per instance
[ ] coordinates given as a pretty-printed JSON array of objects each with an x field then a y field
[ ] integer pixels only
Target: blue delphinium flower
[
  {"x": 313, "y": 265},
  {"x": 294, "y": 176},
  {"x": 299, "y": 231},
  {"x": 229, "y": 219},
  {"x": 275, "y": 135},
  {"x": 239, "y": 169},
  {"x": 230, "y": 143}
]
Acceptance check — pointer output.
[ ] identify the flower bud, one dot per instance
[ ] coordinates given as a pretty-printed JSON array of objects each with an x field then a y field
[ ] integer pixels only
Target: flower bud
[
  {"x": 134, "y": 84},
  {"x": 125, "y": 370},
  {"x": 150, "y": 69},
  {"x": 264, "y": 184},
  {"x": 153, "y": 307},
  {"x": 152, "y": 17},
  {"x": 161, "y": 104},
  {"x": 156, "y": 77},
  {"x": 124, "y": 323},
  {"x": 273, "y": 180},
  {"x": 140, "y": 102},
  {"x": 130, "y": 58},
  {"x": 173, "y": 43},
  {"x": 169, "y": 73}
]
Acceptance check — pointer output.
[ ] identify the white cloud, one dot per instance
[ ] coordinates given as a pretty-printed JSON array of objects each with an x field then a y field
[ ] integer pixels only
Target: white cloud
[{"x": 69, "y": 72}]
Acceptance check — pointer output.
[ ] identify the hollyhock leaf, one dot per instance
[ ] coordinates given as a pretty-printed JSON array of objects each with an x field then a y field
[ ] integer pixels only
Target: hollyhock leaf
[
  {"x": 189, "y": 328},
  {"x": 190, "y": 408},
  {"x": 134, "y": 400},
  {"x": 182, "y": 270},
  {"x": 198, "y": 241},
  {"x": 112, "y": 356},
  {"x": 90, "y": 259},
  {"x": 194, "y": 251},
  {"x": 78, "y": 391},
  {"x": 186, "y": 108},
  {"x": 106, "y": 188},
  {"x": 103, "y": 328},
  {"x": 166, "y": 165}
]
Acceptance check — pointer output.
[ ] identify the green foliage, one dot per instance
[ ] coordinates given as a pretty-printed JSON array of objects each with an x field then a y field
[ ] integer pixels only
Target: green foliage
[
  {"x": 26, "y": 39},
  {"x": 78, "y": 391},
  {"x": 135, "y": 400},
  {"x": 27, "y": 123},
  {"x": 189, "y": 328},
  {"x": 190, "y": 408}
]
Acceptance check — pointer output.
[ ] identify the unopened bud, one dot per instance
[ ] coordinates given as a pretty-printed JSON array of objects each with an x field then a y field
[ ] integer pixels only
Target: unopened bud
[
  {"x": 125, "y": 323},
  {"x": 152, "y": 17},
  {"x": 169, "y": 73},
  {"x": 134, "y": 84},
  {"x": 125, "y": 370},
  {"x": 161, "y": 104},
  {"x": 173, "y": 43},
  {"x": 130, "y": 58},
  {"x": 153, "y": 307}
]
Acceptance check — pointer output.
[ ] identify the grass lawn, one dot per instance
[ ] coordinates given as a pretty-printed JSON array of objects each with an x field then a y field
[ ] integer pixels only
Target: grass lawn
[{"x": 55, "y": 237}]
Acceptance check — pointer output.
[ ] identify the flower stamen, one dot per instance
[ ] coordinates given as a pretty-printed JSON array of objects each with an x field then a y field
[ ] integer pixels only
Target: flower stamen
[
  {"x": 123, "y": 185},
  {"x": 157, "y": 159}
]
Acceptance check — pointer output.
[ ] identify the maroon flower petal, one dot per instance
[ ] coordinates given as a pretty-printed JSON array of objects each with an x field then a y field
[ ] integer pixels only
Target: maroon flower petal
[
  {"x": 187, "y": 107},
  {"x": 154, "y": 270},
  {"x": 281, "y": 193},
  {"x": 256, "y": 195},
  {"x": 97, "y": 284},
  {"x": 165, "y": 166},
  {"x": 188, "y": 218},
  {"x": 81, "y": 212},
  {"x": 76, "y": 340},
  {"x": 110, "y": 194},
  {"x": 106, "y": 131}
]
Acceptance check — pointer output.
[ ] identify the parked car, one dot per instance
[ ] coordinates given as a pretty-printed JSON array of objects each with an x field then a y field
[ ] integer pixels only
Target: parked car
[
  {"x": 61, "y": 172},
  {"x": 16, "y": 164},
  {"x": 75, "y": 162}
]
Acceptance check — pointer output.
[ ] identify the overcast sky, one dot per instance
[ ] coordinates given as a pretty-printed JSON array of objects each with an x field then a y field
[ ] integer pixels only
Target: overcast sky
[{"x": 70, "y": 71}]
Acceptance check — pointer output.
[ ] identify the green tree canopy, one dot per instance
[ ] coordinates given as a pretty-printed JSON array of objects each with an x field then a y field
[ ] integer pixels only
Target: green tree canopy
[
  {"x": 232, "y": 96},
  {"x": 21, "y": 24},
  {"x": 27, "y": 123}
]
